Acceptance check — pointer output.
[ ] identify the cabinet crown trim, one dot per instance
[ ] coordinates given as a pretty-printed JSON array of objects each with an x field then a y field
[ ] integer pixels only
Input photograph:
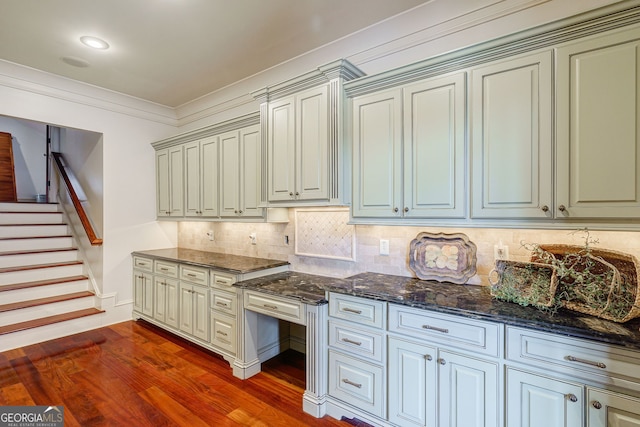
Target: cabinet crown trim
[
  {"x": 216, "y": 129},
  {"x": 339, "y": 69}
]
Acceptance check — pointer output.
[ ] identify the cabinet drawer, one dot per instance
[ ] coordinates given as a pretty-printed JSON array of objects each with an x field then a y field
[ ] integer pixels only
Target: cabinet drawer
[
  {"x": 474, "y": 335},
  {"x": 223, "y": 301},
  {"x": 359, "y": 310},
  {"x": 360, "y": 342},
  {"x": 166, "y": 268},
  {"x": 223, "y": 331},
  {"x": 580, "y": 357},
  {"x": 194, "y": 274},
  {"x": 357, "y": 383},
  {"x": 142, "y": 263},
  {"x": 221, "y": 281},
  {"x": 275, "y": 307}
]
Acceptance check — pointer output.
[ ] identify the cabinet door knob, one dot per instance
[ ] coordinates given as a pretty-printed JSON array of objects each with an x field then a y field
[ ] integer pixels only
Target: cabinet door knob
[
  {"x": 297, "y": 194},
  {"x": 395, "y": 210},
  {"x": 406, "y": 210},
  {"x": 442, "y": 361},
  {"x": 562, "y": 208},
  {"x": 596, "y": 404},
  {"x": 545, "y": 208},
  {"x": 240, "y": 212},
  {"x": 290, "y": 193},
  {"x": 572, "y": 397},
  {"x": 428, "y": 357}
]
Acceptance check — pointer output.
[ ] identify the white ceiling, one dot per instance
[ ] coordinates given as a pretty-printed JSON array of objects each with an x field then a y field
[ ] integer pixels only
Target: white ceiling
[{"x": 174, "y": 51}]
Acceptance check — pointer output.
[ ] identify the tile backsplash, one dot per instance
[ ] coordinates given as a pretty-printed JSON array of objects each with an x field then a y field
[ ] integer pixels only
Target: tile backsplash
[{"x": 233, "y": 238}]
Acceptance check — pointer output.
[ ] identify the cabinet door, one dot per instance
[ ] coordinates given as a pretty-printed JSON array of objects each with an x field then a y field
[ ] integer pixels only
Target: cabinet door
[
  {"x": 511, "y": 138},
  {"x": 468, "y": 391},
  {"x": 160, "y": 299},
  {"x": 169, "y": 182},
  {"x": 536, "y": 401},
  {"x": 186, "y": 308},
  {"x": 250, "y": 172},
  {"x": 377, "y": 154},
  {"x": 171, "y": 298},
  {"x": 598, "y": 142},
  {"x": 209, "y": 177},
  {"x": 143, "y": 293},
  {"x": 609, "y": 409},
  {"x": 200, "y": 313},
  {"x": 281, "y": 146},
  {"x": 230, "y": 174},
  {"x": 312, "y": 144},
  {"x": 192, "y": 179},
  {"x": 434, "y": 148},
  {"x": 412, "y": 383}
]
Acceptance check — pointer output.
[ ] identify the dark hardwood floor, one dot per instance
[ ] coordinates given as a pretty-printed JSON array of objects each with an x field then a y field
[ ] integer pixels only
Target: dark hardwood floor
[{"x": 134, "y": 374}]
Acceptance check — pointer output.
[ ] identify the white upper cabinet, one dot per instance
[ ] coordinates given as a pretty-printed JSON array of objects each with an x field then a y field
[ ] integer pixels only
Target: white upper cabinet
[
  {"x": 240, "y": 174},
  {"x": 304, "y": 138},
  {"x": 201, "y": 178},
  {"x": 409, "y": 151},
  {"x": 511, "y": 146},
  {"x": 170, "y": 181},
  {"x": 598, "y": 141},
  {"x": 212, "y": 173}
]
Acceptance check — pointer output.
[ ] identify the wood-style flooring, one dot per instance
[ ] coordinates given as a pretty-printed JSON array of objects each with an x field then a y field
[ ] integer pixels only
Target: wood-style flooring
[{"x": 134, "y": 374}]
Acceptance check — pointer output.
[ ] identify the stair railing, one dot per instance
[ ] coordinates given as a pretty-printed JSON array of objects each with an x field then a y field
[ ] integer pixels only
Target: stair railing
[{"x": 77, "y": 198}]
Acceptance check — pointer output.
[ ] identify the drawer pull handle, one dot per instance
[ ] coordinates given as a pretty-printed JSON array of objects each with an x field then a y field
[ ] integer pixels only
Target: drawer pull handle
[
  {"x": 221, "y": 333},
  {"x": 346, "y": 381},
  {"x": 434, "y": 328},
  {"x": 572, "y": 397},
  {"x": 272, "y": 307},
  {"x": 164, "y": 269},
  {"x": 586, "y": 362},
  {"x": 428, "y": 357},
  {"x": 144, "y": 264},
  {"x": 596, "y": 404},
  {"x": 222, "y": 304},
  {"x": 221, "y": 282},
  {"x": 347, "y": 340},
  {"x": 191, "y": 275},
  {"x": 352, "y": 310}
]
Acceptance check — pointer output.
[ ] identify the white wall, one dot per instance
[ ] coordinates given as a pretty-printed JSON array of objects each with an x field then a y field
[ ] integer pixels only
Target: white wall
[
  {"x": 29, "y": 147},
  {"x": 128, "y": 162}
]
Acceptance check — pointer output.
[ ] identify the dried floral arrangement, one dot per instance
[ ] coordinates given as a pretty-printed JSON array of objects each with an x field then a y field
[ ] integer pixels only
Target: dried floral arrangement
[{"x": 599, "y": 282}]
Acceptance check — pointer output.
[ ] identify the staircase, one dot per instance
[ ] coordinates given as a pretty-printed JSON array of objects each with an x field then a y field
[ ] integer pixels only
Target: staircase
[{"x": 44, "y": 293}]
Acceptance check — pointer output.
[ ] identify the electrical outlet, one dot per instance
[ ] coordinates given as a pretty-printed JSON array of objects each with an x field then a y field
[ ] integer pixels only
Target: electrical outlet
[
  {"x": 384, "y": 247},
  {"x": 210, "y": 235},
  {"x": 253, "y": 238},
  {"x": 286, "y": 240},
  {"x": 501, "y": 251}
]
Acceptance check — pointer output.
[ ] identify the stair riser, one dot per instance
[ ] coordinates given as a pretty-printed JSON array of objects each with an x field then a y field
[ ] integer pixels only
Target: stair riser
[
  {"x": 37, "y": 258},
  {"x": 35, "y": 244},
  {"x": 28, "y": 207},
  {"x": 49, "y": 332},
  {"x": 27, "y": 294},
  {"x": 31, "y": 218},
  {"x": 31, "y": 313},
  {"x": 40, "y": 274},
  {"x": 8, "y": 231}
]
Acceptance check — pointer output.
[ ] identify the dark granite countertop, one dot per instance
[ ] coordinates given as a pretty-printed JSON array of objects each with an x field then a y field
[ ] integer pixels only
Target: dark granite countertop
[
  {"x": 307, "y": 288},
  {"x": 235, "y": 264},
  {"x": 470, "y": 301}
]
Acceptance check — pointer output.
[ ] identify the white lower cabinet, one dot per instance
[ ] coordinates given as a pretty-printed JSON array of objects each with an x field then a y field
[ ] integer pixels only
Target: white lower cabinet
[
  {"x": 610, "y": 409},
  {"x": 431, "y": 386},
  {"x": 534, "y": 400},
  {"x": 194, "y": 313},
  {"x": 166, "y": 300},
  {"x": 143, "y": 292}
]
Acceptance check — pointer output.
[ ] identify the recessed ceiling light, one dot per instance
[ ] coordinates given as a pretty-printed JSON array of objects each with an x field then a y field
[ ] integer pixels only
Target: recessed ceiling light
[{"x": 94, "y": 42}]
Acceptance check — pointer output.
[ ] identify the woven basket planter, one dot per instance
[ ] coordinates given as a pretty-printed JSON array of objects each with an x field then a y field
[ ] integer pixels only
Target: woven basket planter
[
  {"x": 525, "y": 283},
  {"x": 600, "y": 282}
]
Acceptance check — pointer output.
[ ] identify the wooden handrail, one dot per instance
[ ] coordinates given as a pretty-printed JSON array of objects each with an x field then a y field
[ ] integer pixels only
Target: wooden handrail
[{"x": 84, "y": 218}]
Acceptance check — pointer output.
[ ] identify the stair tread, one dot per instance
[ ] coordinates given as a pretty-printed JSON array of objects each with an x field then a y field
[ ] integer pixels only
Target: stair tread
[
  {"x": 37, "y": 251},
  {"x": 38, "y": 266},
  {"x": 35, "y": 237},
  {"x": 42, "y": 301},
  {"x": 32, "y": 212},
  {"x": 36, "y": 283},
  {"x": 32, "y": 225},
  {"x": 49, "y": 320}
]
